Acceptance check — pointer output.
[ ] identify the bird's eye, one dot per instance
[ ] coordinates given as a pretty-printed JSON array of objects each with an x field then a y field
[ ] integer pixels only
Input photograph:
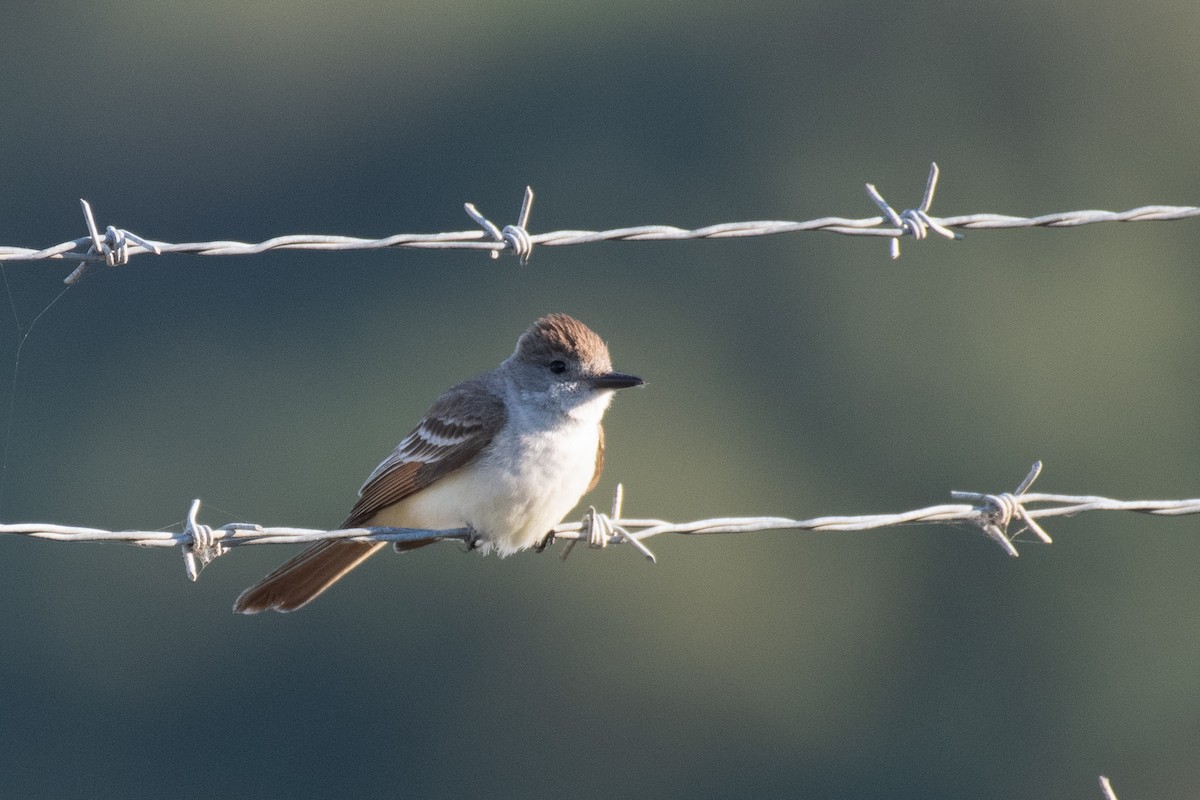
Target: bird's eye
[{"x": 558, "y": 366}]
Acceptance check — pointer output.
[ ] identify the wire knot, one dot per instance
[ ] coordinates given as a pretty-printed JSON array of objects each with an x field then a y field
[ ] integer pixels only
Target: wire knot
[
  {"x": 997, "y": 514},
  {"x": 202, "y": 547},
  {"x": 600, "y": 529},
  {"x": 518, "y": 241},
  {"x": 515, "y": 238},
  {"x": 998, "y": 510},
  {"x": 115, "y": 246},
  {"x": 112, "y": 248},
  {"x": 914, "y": 222}
]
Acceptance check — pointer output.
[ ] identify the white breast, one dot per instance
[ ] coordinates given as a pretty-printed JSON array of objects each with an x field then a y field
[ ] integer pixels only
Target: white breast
[
  {"x": 520, "y": 487},
  {"x": 533, "y": 490}
]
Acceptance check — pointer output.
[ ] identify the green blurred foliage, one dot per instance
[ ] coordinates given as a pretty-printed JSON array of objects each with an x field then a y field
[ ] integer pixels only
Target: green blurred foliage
[{"x": 798, "y": 375}]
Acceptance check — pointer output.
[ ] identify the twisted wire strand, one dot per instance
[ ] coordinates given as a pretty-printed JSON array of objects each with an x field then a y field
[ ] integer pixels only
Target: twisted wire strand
[
  {"x": 117, "y": 245},
  {"x": 993, "y": 514}
]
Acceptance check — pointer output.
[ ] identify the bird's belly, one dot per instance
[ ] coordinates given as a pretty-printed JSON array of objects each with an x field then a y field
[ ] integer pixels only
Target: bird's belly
[{"x": 511, "y": 502}]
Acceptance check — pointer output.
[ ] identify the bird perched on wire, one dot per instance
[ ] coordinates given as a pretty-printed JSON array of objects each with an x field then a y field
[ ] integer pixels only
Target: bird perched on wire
[{"x": 507, "y": 454}]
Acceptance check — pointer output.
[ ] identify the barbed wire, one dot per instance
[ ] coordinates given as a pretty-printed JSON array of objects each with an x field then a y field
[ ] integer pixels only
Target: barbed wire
[
  {"x": 993, "y": 514},
  {"x": 117, "y": 245}
]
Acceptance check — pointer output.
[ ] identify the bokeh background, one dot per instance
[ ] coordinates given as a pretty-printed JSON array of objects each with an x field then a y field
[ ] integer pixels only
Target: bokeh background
[{"x": 799, "y": 375}]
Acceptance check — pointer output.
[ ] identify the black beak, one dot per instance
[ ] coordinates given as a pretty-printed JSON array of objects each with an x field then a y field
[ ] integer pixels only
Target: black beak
[{"x": 615, "y": 380}]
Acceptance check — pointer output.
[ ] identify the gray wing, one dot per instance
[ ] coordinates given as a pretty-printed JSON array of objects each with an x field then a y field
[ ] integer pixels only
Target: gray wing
[
  {"x": 454, "y": 430},
  {"x": 459, "y": 425}
]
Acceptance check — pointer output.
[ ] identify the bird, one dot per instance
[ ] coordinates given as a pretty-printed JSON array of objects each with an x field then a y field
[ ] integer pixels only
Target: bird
[{"x": 506, "y": 454}]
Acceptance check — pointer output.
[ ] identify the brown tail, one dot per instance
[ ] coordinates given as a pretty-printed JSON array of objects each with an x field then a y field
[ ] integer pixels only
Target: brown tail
[{"x": 304, "y": 577}]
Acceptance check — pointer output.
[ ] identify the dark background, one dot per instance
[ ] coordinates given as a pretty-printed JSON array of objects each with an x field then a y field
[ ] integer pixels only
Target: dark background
[{"x": 798, "y": 375}]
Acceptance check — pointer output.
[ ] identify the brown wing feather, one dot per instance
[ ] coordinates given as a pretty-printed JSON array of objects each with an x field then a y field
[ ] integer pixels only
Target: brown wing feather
[
  {"x": 453, "y": 431},
  {"x": 458, "y": 426},
  {"x": 299, "y": 580},
  {"x": 390, "y": 487}
]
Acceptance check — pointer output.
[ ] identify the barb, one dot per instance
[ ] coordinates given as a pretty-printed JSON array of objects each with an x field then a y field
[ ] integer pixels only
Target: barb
[
  {"x": 1106, "y": 788},
  {"x": 118, "y": 245},
  {"x": 600, "y": 529},
  {"x": 913, "y": 221},
  {"x": 990, "y": 513},
  {"x": 1003, "y": 508},
  {"x": 513, "y": 237},
  {"x": 112, "y": 248}
]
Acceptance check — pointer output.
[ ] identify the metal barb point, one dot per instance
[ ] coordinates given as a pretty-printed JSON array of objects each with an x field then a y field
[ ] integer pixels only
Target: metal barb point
[
  {"x": 113, "y": 246},
  {"x": 567, "y": 548},
  {"x": 76, "y": 274},
  {"x": 995, "y": 520},
  {"x": 999, "y": 510},
  {"x": 203, "y": 548},
  {"x": 602, "y": 531},
  {"x": 515, "y": 237},
  {"x": 97, "y": 246},
  {"x": 1034, "y": 471},
  {"x": 914, "y": 222},
  {"x": 1106, "y": 787},
  {"x": 1038, "y": 531},
  {"x": 90, "y": 219},
  {"x": 618, "y": 502}
]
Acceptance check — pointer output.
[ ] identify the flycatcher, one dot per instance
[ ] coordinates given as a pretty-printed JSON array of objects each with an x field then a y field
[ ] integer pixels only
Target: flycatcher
[{"x": 507, "y": 454}]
